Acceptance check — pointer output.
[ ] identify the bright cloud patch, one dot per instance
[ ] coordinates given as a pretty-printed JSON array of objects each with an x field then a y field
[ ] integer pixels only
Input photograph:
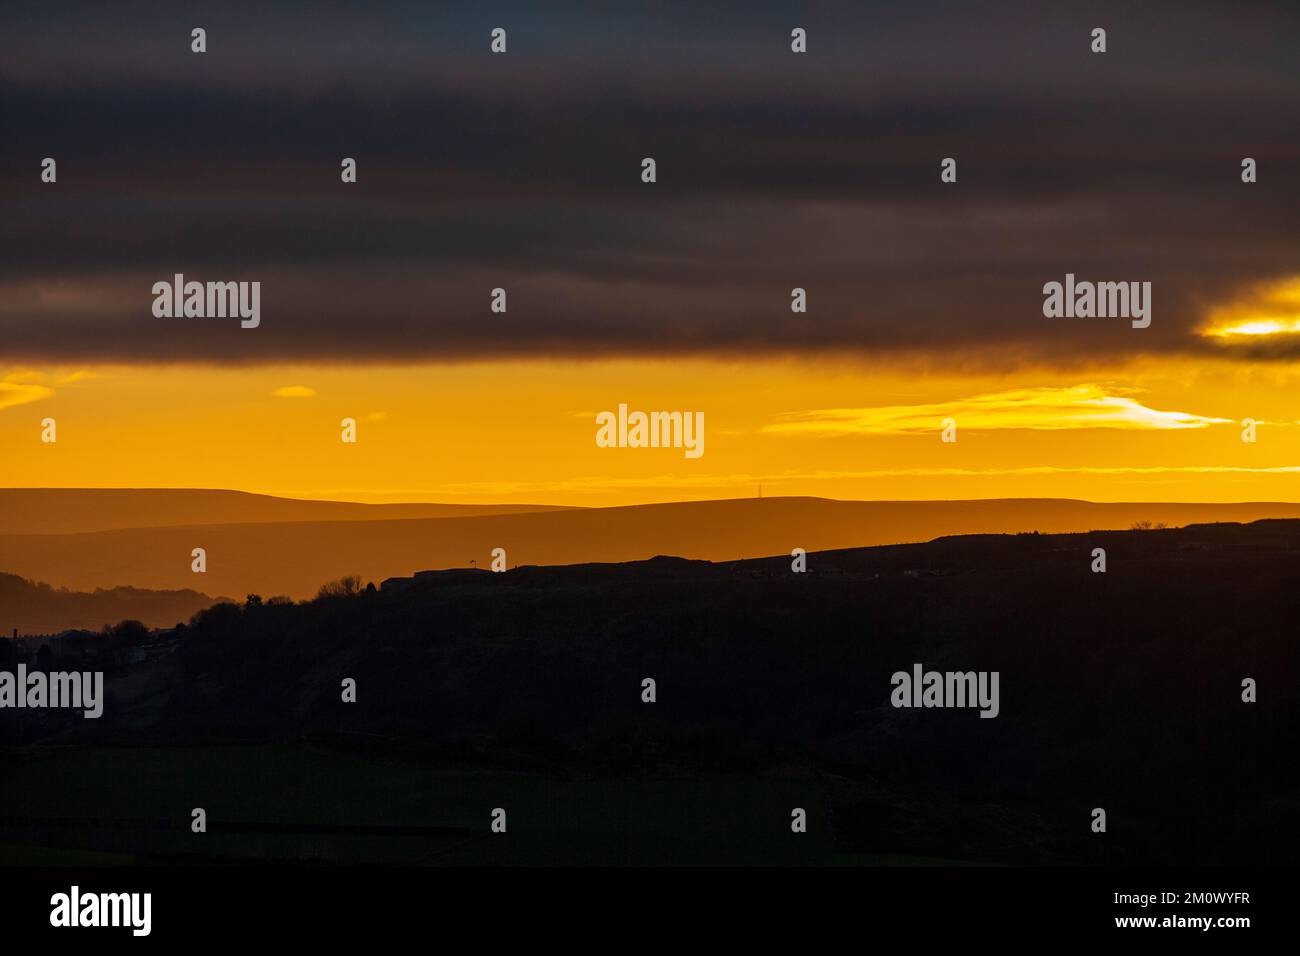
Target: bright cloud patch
[
  {"x": 1079, "y": 406},
  {"x": 1271, "y": 310},
  {"x": 294, "y": 391},
  {"x": 15, "y": 391}
]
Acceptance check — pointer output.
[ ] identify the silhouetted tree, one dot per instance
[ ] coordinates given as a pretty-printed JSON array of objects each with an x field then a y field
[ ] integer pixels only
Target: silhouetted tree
[
  {"x": 347, "y": 586},
  {"x": 126, "y": 633}
]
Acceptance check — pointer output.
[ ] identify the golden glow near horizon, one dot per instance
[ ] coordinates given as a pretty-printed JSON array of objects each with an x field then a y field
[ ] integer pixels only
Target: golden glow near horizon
[{"x": 1166, "y": 430}]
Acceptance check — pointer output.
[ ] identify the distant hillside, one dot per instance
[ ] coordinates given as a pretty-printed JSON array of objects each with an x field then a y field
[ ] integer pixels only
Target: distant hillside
[
  {"x": 296, "y": 558},
  {"x": 37, "y": 608},
  {"x": 1119, "y": 690},
  {"x": 70, "y": 510}
]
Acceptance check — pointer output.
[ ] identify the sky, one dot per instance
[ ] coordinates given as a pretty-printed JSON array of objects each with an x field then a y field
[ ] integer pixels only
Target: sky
[{"x": 775, "y": 170}]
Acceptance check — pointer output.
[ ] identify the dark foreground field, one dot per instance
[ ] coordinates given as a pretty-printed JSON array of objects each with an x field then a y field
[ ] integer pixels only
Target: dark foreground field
[{"x": 523, "y": 691}]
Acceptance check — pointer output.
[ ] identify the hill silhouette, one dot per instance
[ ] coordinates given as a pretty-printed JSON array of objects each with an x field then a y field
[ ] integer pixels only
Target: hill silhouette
[
  {"x": 71, "y": 510},
  {"x": 33, "y": 607},
  {"x": 1119, "y": 690},
  {"x": 294, "y": 558}
]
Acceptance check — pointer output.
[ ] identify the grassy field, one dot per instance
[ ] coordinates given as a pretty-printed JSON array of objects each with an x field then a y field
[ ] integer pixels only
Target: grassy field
[{"x": 296, "y": 804}]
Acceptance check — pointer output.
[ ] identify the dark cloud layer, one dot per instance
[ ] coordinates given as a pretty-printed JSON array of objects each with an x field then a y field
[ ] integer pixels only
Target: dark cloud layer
[{"x": 522, "y": 171}]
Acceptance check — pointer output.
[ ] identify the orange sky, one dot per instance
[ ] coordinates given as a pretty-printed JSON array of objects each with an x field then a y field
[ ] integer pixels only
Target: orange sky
[
  {"x": 514, "y": 432},
  {"x": 823, "y": 171}
]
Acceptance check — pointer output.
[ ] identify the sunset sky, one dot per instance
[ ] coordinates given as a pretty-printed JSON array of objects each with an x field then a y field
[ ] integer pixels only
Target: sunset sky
[{"x": 775, "y": 171}]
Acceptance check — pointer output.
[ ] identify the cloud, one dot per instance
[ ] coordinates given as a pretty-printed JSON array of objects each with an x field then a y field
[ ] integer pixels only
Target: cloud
[
  {"x": 24, "y": 375},
  {"x": 1261, "y": 321},
  {"x": 80, "y": 375},
  {"x": 775, "y": 170},
  {"x": 294, "y": 391},
  {"x": 1044, "y": 409},
  {"x": 14, "y": 393}
]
